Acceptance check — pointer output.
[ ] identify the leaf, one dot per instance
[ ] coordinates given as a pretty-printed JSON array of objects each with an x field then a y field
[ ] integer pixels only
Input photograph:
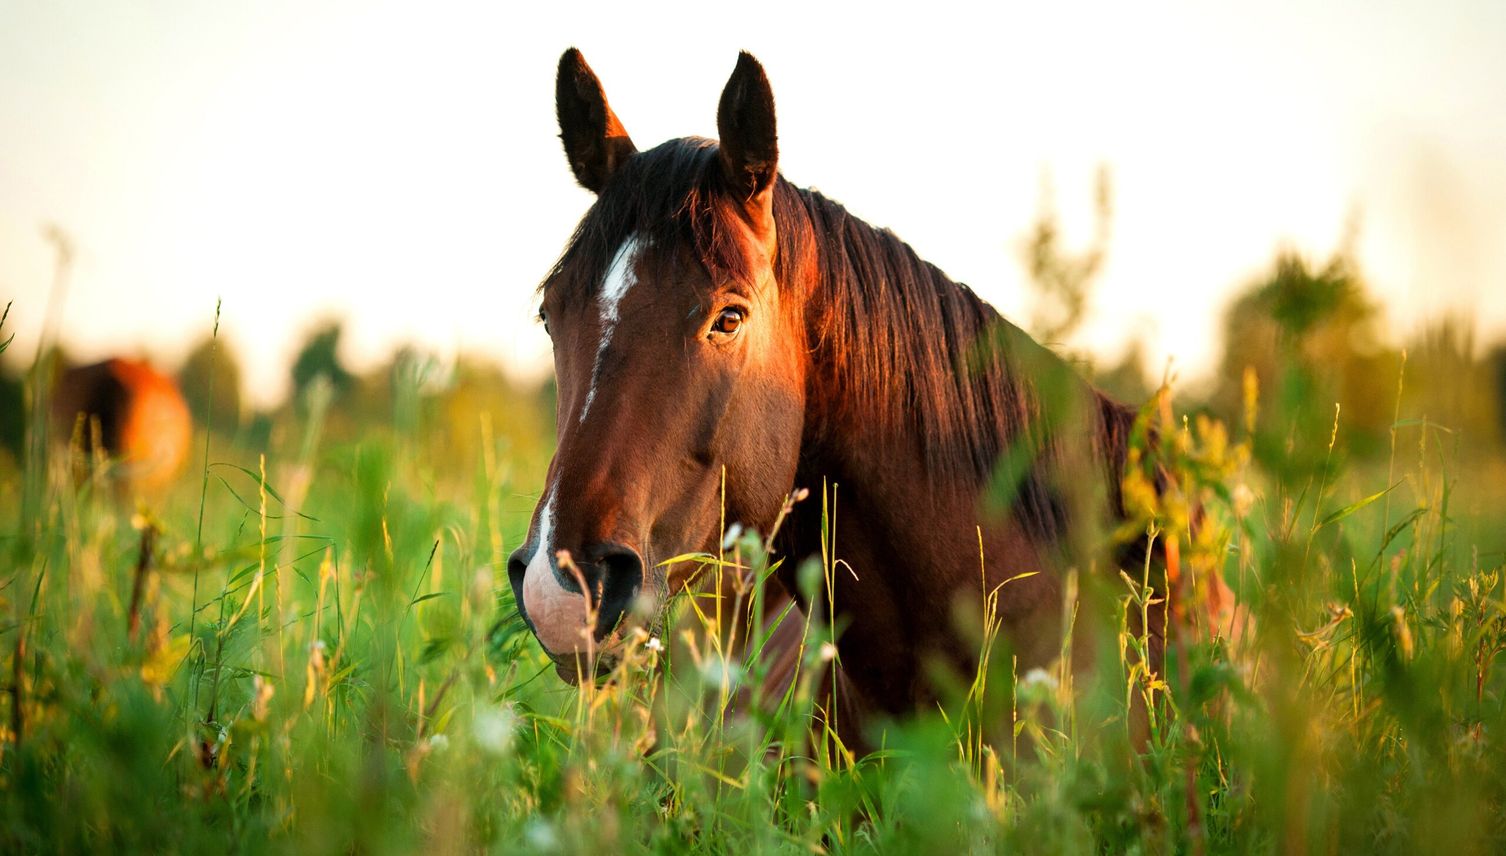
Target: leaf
[
  {"x": 271, "y": 491},
  {"x": 430, "y": 596},
  {"x": 703, "y": 558},
  {"x": 1400, "y": 525},
  {"x": 1352, "y": 508},
  {"x": 341, "y": 675},
  {"x": 433, "y": 649}
]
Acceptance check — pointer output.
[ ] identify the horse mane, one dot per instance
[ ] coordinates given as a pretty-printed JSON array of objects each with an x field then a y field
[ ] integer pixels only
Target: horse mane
[
  {"x": 903, "y": 347},
  {"x": 906, "y": 348}
]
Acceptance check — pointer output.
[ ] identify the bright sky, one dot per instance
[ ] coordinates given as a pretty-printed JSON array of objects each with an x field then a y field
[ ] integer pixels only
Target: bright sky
[{"x": 399, "y": 166}]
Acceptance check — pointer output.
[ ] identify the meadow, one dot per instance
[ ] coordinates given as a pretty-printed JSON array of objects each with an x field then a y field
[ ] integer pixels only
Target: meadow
[{"x": 308, "y": 644}]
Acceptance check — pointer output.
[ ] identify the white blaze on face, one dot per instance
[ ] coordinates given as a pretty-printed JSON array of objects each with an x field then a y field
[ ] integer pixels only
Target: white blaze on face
[
  {"x": 619, "y": 279},
  {"x": 559, "y": 617}
]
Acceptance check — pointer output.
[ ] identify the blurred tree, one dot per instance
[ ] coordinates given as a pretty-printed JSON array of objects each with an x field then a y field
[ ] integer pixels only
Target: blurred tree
[
  {"x": 414, "y": 377},
  {"x": 1496, "y": 365},
  {"x": 1309, "y": 335},
  {"x": 211, "y": 383},
  {"x": 1062, "y": 280},
  {"x": 399, "y": 391},
  {"x": 12, "y": 412},
  {"x": 1446, "y": 385},
  {"x": 1444, "y": 381},
  {"x": 481, "y": 402},
  {"x": 12, "y": 396},
  {"x": 257, "y": 435},
  {"x": 320, "y": 357}
]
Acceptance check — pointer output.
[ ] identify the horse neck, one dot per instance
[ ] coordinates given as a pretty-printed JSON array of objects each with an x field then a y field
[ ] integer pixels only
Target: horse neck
[
  {"x": 913, "y": 443},
  {"x": 872, "y": 351},
  {"x": 867, "y": 455}
]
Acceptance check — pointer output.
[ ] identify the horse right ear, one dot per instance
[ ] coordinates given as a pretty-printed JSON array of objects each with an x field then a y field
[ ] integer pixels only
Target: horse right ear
[
  {"x": 595, "y": 141},
  {"x": 749, "y": 142}
]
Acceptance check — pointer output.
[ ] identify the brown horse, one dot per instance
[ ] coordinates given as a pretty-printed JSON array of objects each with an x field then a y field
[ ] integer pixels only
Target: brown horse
[
  {"x": 129, "y": 411},
  {"x": 722, "y": 337}
]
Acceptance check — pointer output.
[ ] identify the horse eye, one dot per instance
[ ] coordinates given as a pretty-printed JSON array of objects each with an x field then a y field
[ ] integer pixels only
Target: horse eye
[
  {"x": 727, "y": 322},
  {"x": 544, "y": 319}
]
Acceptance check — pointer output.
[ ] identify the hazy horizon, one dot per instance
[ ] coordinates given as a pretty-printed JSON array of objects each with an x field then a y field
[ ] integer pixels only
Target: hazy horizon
[{"x": 398, "y": 167}]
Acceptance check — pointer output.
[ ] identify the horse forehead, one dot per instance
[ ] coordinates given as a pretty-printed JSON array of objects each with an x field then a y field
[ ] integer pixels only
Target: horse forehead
[
  {"x": 622, "y": 274},
  {"x": 647, "y": 275}
]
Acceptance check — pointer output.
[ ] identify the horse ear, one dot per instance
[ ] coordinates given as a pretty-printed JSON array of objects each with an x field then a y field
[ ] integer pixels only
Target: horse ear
[
  {"x": 595, "y": 141},
  {"x": 749, "y": 145}
]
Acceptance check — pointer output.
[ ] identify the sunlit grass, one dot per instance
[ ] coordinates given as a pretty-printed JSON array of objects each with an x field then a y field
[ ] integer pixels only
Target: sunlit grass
[{"x": 313, "y": 646}]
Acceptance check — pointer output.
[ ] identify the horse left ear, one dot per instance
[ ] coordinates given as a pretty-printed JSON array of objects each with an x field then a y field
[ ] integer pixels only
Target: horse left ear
[
  {"x": 595, "y": 141},
  {"x": 749, "y": 144}
]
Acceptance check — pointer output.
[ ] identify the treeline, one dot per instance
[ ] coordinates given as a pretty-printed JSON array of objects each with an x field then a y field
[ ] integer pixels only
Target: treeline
[
  {"x": 1304, "y": 344},
  {"x": 453, "y": 407},
  {"x": 1309, "y": 337},
  {"x": 1304, "y": 349}
]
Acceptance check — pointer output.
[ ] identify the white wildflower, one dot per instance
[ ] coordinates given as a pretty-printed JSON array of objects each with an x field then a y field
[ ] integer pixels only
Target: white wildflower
[
  {"x": 483, "y": 587},
  {"x": 734, "y": 532},
  {"x": 1244, "y": 499},
  {"x": 541, "y": 836},
  {"x": 719, "y": 672},
  {"x": 1038, "y": 677},
  {"x": 494, "y": 729},
  {"x": 653, "y": 644},
  {"x": 828, "y": 652}
]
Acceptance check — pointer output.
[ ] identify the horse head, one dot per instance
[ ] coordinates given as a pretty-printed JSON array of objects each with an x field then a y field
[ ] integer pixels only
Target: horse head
[{"x": 679, "y": 358}]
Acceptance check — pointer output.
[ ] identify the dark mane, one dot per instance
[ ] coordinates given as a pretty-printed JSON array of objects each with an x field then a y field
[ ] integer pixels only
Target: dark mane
[
  {"x": 905, "y": 347},
  {"x": 901, "y": 345}
]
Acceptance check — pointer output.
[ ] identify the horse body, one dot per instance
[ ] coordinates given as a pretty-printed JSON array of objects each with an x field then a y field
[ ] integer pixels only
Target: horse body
[
  {"x": 723, "y": 337},
  {"x": 140, "y": 415}
]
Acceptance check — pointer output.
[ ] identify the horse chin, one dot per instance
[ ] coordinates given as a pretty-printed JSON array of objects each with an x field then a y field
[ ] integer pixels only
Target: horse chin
[{"x": 574, "y": 669}]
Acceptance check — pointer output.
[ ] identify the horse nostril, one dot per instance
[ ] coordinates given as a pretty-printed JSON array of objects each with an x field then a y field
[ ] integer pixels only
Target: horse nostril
[
  {"x": 517, "y": 563},
  {"x": 619, "y": 579},
  {"x": 517, "y": 566}
]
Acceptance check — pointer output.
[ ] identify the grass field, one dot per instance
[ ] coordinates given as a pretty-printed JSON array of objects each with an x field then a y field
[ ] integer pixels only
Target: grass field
[{"x": 309, "y": 644}]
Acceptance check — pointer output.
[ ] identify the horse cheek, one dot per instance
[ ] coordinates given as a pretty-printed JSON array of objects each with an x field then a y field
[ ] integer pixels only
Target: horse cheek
[{"x": 769, "y": 451}]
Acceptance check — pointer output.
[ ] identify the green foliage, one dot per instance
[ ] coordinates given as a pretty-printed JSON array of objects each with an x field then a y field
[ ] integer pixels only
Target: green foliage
[
  {"x": 334, "y": 663},
  {"x": 1307, "y": 337}
]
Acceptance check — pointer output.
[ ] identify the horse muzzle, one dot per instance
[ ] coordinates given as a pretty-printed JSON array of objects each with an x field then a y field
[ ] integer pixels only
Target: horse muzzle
[{"x": 574, "y": 602}]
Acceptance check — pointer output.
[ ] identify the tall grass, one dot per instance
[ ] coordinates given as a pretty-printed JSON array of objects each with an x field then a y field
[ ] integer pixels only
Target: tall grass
[{"x": 326, "y": 657}]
